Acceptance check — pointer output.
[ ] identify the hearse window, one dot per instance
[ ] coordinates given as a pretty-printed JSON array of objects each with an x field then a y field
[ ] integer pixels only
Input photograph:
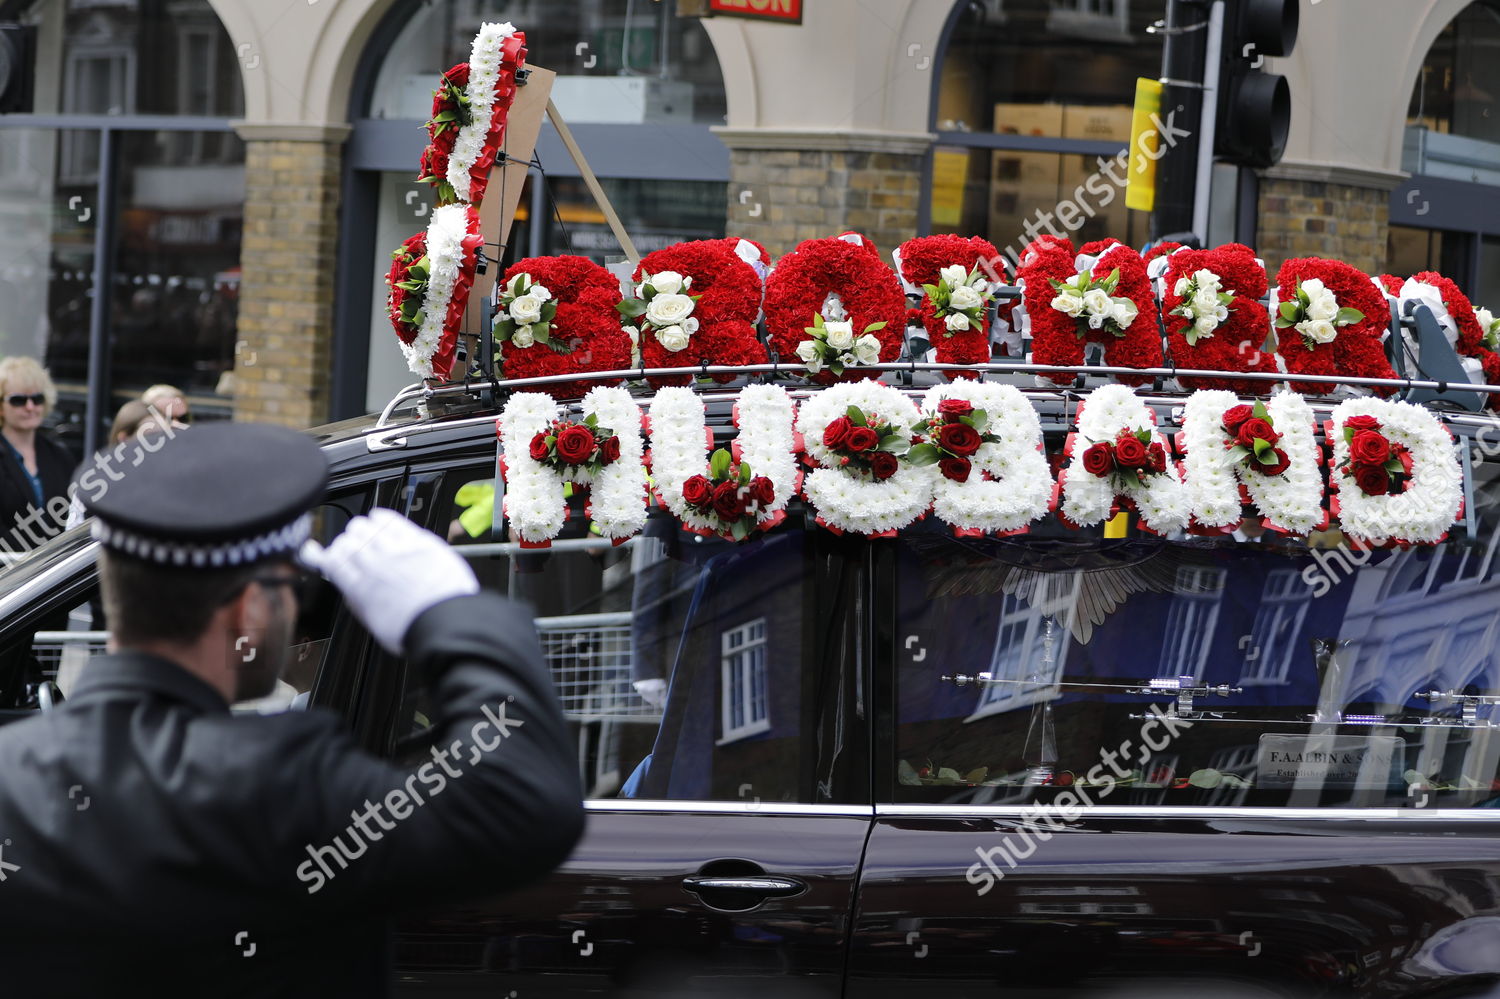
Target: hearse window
[
  {"x": 1199, "y": 671},
  {"x": 679, "y": 660}
]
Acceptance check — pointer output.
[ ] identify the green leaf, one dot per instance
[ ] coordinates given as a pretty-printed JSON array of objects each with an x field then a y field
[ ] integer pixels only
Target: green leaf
[
  {"x": 744, "y": 473},
  {"x": 1395, "y": 467},
  {"x": 542, "y": 332},
  {"x": 876, "y": 327},
  {"x": 738, "y": 530},
  {"x": 1239, "y": 452},
  {"x": 979, "y": 420},
  {"x": 1348, "y": 435},
  {"x": 1303, "y": 297},
  {"x": 1268, "y": 458},
  {"x": 1347, "y": 316},
  {"x": 1283, "y": 324},
  {"x": 1056, "y": 284},
  {"x": 1260, "y": 411},
  {"x": 1262, "y": 447},
  {"x": 591, "y": 421},
  {"x": 932, "y": 289},
  {"x": 719, "y": 464},
  {"x": 1144, "y": 436},
  {"x": 923, "y": 454},
  {"x": 419, "y": 317},
  {"x": 1289, "y": 311},
  {"x": 895, "y": 444},
  {"x": 855, "y": 414},
  {"x": 632, "y": 307}
]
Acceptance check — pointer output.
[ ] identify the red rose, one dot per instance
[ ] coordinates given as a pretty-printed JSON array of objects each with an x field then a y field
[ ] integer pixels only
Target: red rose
[
  {"x": 883, "y": 465},
  {"x": 1256, "y": 428},
  {"x": 1099, "y": 459},
  {"x": 1372, "y": 480},
  {"x": 956, "y": 469},
  {"x": 762, "y": 490},
  {"x": 861, "y": 439},
  {"x": 1130, "y": 452},
  {"x": 728, "y": 503},
  {"x": 539, "y": 447},
  {"x": 609, "y": 451},
  {"x": 698, "y": 491},
  {"x": 836, "y": 433},
  {"x": 960, "y": 438},
  {"x": 1403, "y": 456},
  {"x": 1370, "y": 448},
  {"x": 575, "y": 444},
  {"x": 458, "y": 75},
  {"x": 1235, "y": 415},
  {"x": 1281, "y": 465},
  {"x": 1362, "y": 423},
  {"x": 1156, "y": 458},
  {"x": 955, "y": 408}
]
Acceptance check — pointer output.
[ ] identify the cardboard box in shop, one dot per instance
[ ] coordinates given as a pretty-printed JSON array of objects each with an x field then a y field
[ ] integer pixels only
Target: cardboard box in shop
[
  {"x": 1108, "y": 215},
  {"x": 1013, "y": 205},
  {"x": 1029, "y": 119},
  {"x": 1108, "y": 123}
]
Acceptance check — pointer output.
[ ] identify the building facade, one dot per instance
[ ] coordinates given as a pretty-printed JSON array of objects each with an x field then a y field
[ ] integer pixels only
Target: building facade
[{"x": 235, "y": 173}]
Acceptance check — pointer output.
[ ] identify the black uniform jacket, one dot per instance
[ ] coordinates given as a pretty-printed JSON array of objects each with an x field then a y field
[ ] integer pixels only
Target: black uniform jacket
[
  {"x": 54, "y": 466},
  {"x": 151, "y": 843}
]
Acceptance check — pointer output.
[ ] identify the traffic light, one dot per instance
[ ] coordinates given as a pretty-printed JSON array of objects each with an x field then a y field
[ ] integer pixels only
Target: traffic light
[
  {"x": 1255, "y": 107},
  {"x": 17, "y": 67}
]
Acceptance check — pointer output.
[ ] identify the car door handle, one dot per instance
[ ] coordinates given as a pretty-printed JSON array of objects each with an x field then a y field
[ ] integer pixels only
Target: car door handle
[{"x": 765, "y": 885}]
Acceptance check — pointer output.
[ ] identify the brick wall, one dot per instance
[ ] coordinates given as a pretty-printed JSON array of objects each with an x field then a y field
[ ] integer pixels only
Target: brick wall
[
  {"x": 1303, "y": 218},
  {"x": 284, "y": 361},
  {"x": 782, "y": 196}
]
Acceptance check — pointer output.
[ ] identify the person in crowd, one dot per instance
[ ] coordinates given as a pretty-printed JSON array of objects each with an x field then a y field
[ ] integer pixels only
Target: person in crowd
[
  {"x": 262, "y": 855},
  {"x": 134, "y": 417},
  {"x": 34, "y": 468},
  {"x": 170, "y": 402}
]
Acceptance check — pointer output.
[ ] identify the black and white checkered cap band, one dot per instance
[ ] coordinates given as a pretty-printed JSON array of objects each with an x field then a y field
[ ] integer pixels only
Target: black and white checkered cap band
[{"x": 284, "y": 540}]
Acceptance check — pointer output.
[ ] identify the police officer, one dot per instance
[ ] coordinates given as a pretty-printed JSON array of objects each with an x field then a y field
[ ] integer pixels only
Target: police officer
[{"x": 153, "y": 843}]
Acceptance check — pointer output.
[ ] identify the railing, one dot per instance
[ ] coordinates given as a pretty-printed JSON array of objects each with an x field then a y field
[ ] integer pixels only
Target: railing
[
  {"x": 56, "y": 650},
  {"x": 591, "y": 658}
]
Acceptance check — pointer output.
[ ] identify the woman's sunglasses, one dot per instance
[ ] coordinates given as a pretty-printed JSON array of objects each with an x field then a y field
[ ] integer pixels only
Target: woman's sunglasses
[{"x": 36, "y": 399}]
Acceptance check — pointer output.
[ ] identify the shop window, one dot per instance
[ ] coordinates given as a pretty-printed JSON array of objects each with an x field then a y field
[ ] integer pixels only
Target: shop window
[
  {"x": 1453, "y": 128},
  {"x": 1037, "y": 70}
]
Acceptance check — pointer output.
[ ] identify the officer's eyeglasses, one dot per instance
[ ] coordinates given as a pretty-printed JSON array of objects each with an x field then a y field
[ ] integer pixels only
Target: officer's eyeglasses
[{"x": 36, "y": 399}]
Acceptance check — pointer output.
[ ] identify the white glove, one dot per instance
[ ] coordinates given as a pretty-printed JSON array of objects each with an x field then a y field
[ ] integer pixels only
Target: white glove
[{"x": 390, "y": 571}]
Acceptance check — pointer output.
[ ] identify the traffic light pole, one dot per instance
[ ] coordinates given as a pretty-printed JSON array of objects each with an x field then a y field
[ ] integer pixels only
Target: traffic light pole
[
  {"x": 1208, "y": 121},
  {"x": 1183, "y": 64}
]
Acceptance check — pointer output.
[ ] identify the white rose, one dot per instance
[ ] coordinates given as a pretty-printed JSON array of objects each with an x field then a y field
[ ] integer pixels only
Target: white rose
[
  {"x": 1182, "y": 286},
  {"x": 1207, "y": 279},
  {"x": 1097, "y": 301},
  {"x": 807, "y": 350},
  {"x": 666, "y": 283},
  {"x": 1068, "y": 303},
  {"x": 846, "y": 359},
  {"x": 690, "y": 324},
  {"x": 867, "y": 349},
  {"x": 840, "y": 335},
  {"x": 964, "y": 297},
  {"x": 1205, "y": 325},
  {"x": 526, "y": 309},
  {"x": 514, "y": 288},
  {"x": 1314, "y": 288},
  {"x": 956, "y": 321},
  {"x": 1318, "y": 330},
  {"x": 1323, "y": 308},
  {"x": 668, "y": 310},
  {"x": 1485, "y": 318},
  {"x": 1123, "y": 313},
  {"x": 540, "y": 291},
  {"x": 955, "y": 275},
  {"x": 674, "y": 338},
  {"x": 522, "y": 337},
  {"x": 1206, "y": 301}
]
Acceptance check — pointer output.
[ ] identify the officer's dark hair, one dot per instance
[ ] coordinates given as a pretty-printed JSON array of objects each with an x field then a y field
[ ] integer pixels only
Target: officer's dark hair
[{"x": 147, "y": 602}]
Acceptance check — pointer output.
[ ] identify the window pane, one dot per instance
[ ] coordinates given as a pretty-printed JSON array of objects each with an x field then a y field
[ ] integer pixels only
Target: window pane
[
  {"x": 1340, "y": 677},
  {"x": 617, "y": 61},
  {"x": 680, "y": 661},
  {"x": 136, "y": 58}
]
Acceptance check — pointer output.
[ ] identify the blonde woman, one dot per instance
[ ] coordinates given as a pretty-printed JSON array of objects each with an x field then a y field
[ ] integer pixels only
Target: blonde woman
[
  {"x": 34, "y": 468},
  {"x": 169, "y": 401}
]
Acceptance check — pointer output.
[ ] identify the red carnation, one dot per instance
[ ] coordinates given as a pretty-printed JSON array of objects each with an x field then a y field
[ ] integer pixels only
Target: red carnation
[
  {"x": 955, "y": 408},
  {"x": 1362, "y": 423},
  {"x": 837, "y": 432},
  {"x": 698, "y": 491},
  {"x": 883, "y": 465},
  {"x": 956, "y": 469},
  {"x": 575, "y": 444},
  {"x": 1099, "y": 459},
  {"x": 1370, "y": 448},
  {"x": 762, "y": 490},
  {"x": 861, "y": 439},
  {"x": 1235, "y": 415},
  {"x": 539, "y": 447},
  {"x": 1130, "y": 452},
  {"x": 1255, "y": 429},
  {"x": 1281, "y": 465},
  {"x": 728, "y": 503},
  {"x": 1372, "y": 480},
  {"x": 610, "y": 450},
  {"x": 959, "y": 438},
  {"x": 1156, "y": 459}
]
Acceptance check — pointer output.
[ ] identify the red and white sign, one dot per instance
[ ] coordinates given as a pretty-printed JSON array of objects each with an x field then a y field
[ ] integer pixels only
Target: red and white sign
[{"x": 789, "y": 11}]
